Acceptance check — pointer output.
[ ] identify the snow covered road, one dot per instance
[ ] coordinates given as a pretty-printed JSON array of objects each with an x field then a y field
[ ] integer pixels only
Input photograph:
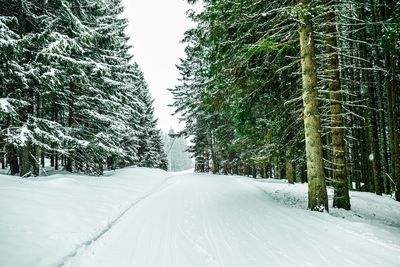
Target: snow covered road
[{"x": 204, "y": 220}]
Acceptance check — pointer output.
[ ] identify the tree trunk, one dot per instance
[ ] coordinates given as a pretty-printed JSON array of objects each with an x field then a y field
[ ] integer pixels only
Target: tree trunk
[
  {"x": 303, "y": 173},
  {"x": 393, "y": 127},
  {"x": 341, "y": 197},
  {"x": 25, "y": 162},
  {"x": 254, "y": 171},
  {"x": 34, "y": 158},
  {"x": 3, "y": 161},
  {"x": 246, "y": 171},
  {"x": 262, "y": 171},
  {"x": 71, "y": 115},
  {"x": 225, "y": 169},
  {"x": 391, "y": 89},
  {"x": 52, "y": 158},
  {"x": 55, "y": 160},
  {"x": 289, "y": 164},
  {"x": 43, "y": 159},
  {"x": 317, "y": 195},
  {"x": 214, "y": 156},
  {"x": 12, "y": 159}
]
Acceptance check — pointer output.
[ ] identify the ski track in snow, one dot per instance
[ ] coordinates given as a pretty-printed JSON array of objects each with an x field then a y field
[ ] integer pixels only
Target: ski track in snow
[
  {"x": 82, "y": 246},
  {"x": 203, "y": 220},
  {"x": 144, "y": 217}
]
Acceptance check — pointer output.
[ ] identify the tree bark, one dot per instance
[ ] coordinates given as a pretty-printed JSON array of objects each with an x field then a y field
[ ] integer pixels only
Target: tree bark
[
  {"x": 341, "y": 197},
  {"x": 12, "y": 159},
  {"x": 317, "y": 195},
  {"x": 3, "y": 160},
  {"x": 214, "y": 156},
  {"x": 254, "y": 171},
  {"x": 391, "y": 87},
  {"x": 71, "y": 115},
  {"x": 289, "y": 164},
  {"x": 25, "y": 162},
  {"x": 393, "y": 126}
]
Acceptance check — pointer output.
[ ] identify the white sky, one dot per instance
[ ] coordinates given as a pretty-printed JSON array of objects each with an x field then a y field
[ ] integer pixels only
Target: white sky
[{"x": 156, "y": 28}]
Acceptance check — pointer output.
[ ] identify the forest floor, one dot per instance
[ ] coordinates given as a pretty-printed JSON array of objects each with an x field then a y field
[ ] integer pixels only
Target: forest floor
[{"x": 144, "y": 217}]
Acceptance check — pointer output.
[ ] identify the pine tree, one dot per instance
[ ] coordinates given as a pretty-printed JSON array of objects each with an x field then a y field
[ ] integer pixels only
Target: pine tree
[
  {"x": 177, "y": 152},
  {"x": 71, "y": 89}
]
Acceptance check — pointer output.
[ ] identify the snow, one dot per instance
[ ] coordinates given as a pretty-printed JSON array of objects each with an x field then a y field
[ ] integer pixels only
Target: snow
[
  {"x": 24, "y": 135},
  {"x": 43, "y": 220},
  {"x": 143, "y": 217},
  {"x": 381, "y": 211},
  {"x": 371, "y": 157},
  {"x": 5, "y": 106}
]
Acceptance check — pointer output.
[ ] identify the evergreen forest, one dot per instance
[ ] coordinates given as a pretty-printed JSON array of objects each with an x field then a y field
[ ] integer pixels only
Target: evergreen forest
[
  {"x": 71, "y": 96},
  {"x": 283, "y": 146},
  {"x": 306, "y": 90}
]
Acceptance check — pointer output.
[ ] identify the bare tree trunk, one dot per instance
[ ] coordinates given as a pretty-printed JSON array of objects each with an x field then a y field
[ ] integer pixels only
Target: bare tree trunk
[
  {"x": 35, "y": 149},
  {"x": 386, "y": 12},
  {"x": 378, "y": 15},
  {"x": 391, "y": 87},
  {"x": 56, "y": 161},
  {"x": 393, "y": 126},
  {"x": 12, "y": 159},
  {"x": 246, "y": 170},
  {"x": 341, "y": 197},
  {"x": 68, "y": 160},
  {"x": 214, "y": 156},
  {"x": 254, "y": 171},
  {"x": 3, "y": 160},
  {"x": 289, "y": 165},
  {"x": 317, "y": 195},
  {"x": 25, "y": 162}
]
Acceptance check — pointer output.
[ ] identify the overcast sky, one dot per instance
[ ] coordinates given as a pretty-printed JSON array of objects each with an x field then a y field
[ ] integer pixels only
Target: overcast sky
[{"x": 156, "y": 28}]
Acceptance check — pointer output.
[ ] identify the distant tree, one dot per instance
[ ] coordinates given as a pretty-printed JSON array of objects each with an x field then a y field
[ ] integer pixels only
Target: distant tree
[{"x": 177, "y": 152}]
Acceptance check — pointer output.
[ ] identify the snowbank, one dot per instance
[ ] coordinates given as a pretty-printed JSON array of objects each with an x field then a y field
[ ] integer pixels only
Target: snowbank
[
  {"x": 44, "y": 220},
  {"x": 377, "y": 217}
]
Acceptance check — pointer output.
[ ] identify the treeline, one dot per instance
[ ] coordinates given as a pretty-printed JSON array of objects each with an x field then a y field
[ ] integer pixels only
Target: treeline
[
  {"x": 303, "y": 90},
  {"x": 69, "y": 92}
]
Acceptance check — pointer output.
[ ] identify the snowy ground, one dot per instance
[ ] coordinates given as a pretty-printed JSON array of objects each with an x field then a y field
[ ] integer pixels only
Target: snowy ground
[
  {"x": 143, "y": 217},
  {"x": 44, "y": 221}
]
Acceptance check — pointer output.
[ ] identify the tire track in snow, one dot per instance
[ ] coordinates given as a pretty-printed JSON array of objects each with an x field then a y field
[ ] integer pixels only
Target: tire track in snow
[{"x": 65, "y": 261}]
